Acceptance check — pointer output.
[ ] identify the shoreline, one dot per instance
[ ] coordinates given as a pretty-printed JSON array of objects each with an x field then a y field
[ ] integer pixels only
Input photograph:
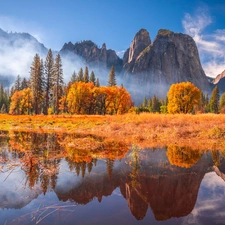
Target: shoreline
[{"x": 201, "y": 131}]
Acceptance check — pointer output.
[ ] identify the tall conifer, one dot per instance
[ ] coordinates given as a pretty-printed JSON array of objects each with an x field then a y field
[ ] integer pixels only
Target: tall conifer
[
  {"x": 57, "y": 82},
  {"x": 214, "y": 100},
  {"x": 49, "y": 75},
  {"x": 36, "y": 83},
  {"x": 86, "y": 75},
  {"x": 112, "y": 77}
]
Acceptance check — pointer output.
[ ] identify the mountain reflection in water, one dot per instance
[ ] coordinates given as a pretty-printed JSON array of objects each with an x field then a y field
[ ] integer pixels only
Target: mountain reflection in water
[{"x": 42, "y": 175}]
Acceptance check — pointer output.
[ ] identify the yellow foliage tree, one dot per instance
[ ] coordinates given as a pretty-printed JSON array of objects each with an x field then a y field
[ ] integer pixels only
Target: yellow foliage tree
[
  {"x": 21, "y": 102},
  {"x": 79, "y": 97},
  {"x": 183, "y": 156},
  {"x": 120, "y": 100},
  {"x": 183, "y": 97},
  {"x": 85, "y": 98}
]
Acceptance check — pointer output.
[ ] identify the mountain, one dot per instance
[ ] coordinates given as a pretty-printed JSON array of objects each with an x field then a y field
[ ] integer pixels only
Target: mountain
[
  {"x": 19, "y": 40},
  {"x": 16, "y": 54},
  {"x": 151, "y": 65},
  {"x": 93, "y": 55},
  {"x": 170, "y": 58},
  {"x": 220, "y": 81}
]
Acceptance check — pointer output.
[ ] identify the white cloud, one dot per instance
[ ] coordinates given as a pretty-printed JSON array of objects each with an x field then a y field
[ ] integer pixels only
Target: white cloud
[
  {"x": 211, "y": 46},
  {"x": 210, "y": 203}
]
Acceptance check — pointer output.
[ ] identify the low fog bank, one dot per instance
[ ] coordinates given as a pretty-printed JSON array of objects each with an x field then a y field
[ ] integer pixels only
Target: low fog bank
[{"x": 16, "y": 57}]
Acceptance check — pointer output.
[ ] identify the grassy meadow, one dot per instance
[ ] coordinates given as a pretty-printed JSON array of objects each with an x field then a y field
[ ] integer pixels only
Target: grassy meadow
[{"x": 201, "y": 131}]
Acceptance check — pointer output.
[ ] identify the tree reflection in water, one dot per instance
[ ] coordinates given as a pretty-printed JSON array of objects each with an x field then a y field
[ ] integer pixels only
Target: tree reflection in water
[{"x": 167, "y": 180}]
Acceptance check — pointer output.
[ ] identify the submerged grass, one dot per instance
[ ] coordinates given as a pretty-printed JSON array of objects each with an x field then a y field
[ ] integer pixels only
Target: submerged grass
[{"x": 144, "y": 130}]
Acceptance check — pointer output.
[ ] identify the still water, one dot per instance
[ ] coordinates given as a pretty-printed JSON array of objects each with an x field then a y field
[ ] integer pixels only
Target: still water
[{"x": 75, "y": 179}]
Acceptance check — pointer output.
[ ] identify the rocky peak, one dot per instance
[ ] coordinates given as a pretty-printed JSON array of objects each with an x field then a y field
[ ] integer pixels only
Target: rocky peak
[
  {"x": 171, "y": 58},
  {"x": 93, "y": 54},
  {"x": 219, "y": 77},
  {"x": 140, "y": 42},
  {"x": 220, "y": 81},
  {"x": 164, "y": 32},
  {"x": 103, "y": 46}
]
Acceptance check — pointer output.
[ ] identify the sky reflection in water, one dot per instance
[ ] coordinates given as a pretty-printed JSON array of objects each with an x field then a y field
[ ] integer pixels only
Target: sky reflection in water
[{"x": 50, "y": 179}]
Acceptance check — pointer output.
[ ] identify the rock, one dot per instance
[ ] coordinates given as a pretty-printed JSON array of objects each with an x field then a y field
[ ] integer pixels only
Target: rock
[
  {"x": 220, "y": 81},
  {"x": 93, "y": 55},
  {"x": 171, "y": 58},
  {"x": 140, "y": 42}
]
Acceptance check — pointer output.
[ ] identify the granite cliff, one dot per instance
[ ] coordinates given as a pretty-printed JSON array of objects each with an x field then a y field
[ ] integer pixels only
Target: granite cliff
[
  {"x": 220, "y": 81},
  {"x": 170, "y": 58},
  {"x": 93, "y": 55}
]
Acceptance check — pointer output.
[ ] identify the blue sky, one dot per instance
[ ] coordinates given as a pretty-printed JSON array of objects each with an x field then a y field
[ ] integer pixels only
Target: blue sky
[{"x": 115, "y": 23}]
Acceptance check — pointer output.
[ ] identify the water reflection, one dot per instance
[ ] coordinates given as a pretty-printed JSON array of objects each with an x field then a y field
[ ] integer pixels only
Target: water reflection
[{"x": 79, "y": 169}]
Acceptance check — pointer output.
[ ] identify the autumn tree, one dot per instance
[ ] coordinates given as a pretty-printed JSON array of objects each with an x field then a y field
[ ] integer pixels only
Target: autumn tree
[
  {"x": 58, "y": 83},
  {"x": 112, "y": 77},
  {"x": 183, "y": 156},
  {"x": 214, "y": 100},
  {"x": 15, "y": 103},
  {"x": 80, "y": 97},
  {"x": 37, "y": 83},
  {"x": 120, "y": 100},
  {"x": 183, "y": 97},
  {"x": 85, "y": 98},
  {"x": 21, "y": 102},
  {"x": 49, "y": 75}
]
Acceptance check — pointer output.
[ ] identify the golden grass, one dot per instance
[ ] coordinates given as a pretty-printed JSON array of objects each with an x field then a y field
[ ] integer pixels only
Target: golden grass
[{"x": 201, "y": 131}]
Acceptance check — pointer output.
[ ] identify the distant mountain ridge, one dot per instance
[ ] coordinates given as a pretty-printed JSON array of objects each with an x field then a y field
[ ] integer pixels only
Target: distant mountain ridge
[
  {"x": 16, "y": 52},
  {"x": 92, "y": 54},
  {"x": 20, "y": 38},
  {"x": 170, "y": 58},
  {"x": 151, "y": 65},
  {"x": 220, "y": 81}
]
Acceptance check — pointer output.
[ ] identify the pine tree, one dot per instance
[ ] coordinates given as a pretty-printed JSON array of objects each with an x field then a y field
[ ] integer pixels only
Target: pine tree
[
  {"x": 18, "y": 83},
  {"x": 37, "y": 84},
  {"x": 144, "y": 104},
  {"x": 155, "y": 104},
  {"x": 4, "y": 100},
  {"x": 214, "y": 100},
  {"x": 24, "y": 84},
  {"x": 97, "y": 83},
  {"x": 222, "y": 103},
  {"x": 73, "y": 77},
  {"x": 57, "y": 82},
  {"x": 49, "y": 74},
  {"x": 80, "y": 75},
  {"x": 86, "y": 75},
  {"x": 92, "y": 77},
  {"x": 112, "y": 77}
]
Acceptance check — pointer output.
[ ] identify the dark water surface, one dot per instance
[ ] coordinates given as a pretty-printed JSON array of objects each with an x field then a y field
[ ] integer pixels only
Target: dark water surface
[{"x": 75, "y": 179}]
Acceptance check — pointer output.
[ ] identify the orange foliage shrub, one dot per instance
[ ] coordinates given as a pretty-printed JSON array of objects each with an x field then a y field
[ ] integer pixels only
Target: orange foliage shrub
[
  {"x": 21, "y": 102},
  {"x": 85, "y": 98}
]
